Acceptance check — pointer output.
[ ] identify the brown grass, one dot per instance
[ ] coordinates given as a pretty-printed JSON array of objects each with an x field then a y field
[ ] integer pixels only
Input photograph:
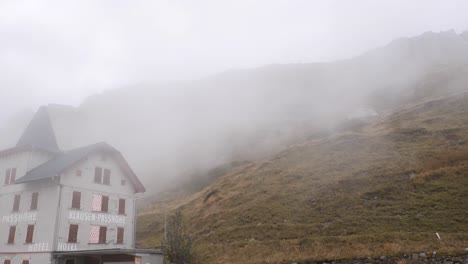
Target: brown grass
[{"x": 349, "y": 195}]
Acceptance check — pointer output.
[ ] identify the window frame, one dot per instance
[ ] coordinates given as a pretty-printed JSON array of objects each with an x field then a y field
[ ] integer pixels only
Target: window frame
[
  {"x": 16, "y": 203},
  {"x": 76, "y": 204},
  {"x": 120, "y": 210},
  {"x": 120, "y": 236},
  {"x": 34, "y": 201},
  {"x": 11, "y": 235},
  {"x": 75, "y": 230},
  {"x": 29, "y": 234}
]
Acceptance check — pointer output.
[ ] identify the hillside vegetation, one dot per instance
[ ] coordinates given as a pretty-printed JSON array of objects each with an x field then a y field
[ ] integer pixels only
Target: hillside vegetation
[{"x": 381, "y": 188}]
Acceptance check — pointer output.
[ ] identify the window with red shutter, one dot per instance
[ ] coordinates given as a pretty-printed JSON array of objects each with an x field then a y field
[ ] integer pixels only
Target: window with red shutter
[
  {"x": 122, "y": 206},
  {"x": 73, "y": 234},
  {"x": 105, "y": 204},
  {"x": 78, "y": 173},
  {"x": 120, "y": 235},
  {"x": 102, "y": 234},
  {"x": 34, "y": 199},
  {"x": 76, "y": 200},
  {"x": 98, "y": 175},
  {"x": 30, "y": 234},
  {"x": 16, "y": 203},
  {"x": 11, "y": 235},
  {"x": 107, "y": 174}
]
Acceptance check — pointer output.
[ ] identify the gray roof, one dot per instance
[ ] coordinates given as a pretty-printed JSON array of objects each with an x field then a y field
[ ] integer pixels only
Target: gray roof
[
  {"x": 63, "y": 161},
  {"x": 39, "y": 133}
]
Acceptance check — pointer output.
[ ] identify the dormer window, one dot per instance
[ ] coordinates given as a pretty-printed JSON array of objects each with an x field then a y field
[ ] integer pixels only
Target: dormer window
[
  {"x": 10, "y": 176},
  {"x": 102, "y": 176}
]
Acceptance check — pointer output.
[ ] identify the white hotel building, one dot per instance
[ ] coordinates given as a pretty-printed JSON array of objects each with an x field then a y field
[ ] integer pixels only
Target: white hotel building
[{"x": 68, "y": 207}]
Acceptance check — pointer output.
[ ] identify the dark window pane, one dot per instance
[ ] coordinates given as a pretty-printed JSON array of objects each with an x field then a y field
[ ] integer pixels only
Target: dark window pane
[
  {"x": 16, "y": 203},
  {"x": 30, "y": 234},
  {"x": 105, "y": 204},
  {"x": 102, "y": 234},
  {"x": 11, "y": 235},
  {"x": 76, "y": 200},
  {"x": 107, "y": 174},
  {"x": 34, "y": 200},
  {"x": 73, "y": 234},
  {"x": 120, "y": 235},
  {"x": 98, "y": 175},
  {"x": 121, "y": 206}
]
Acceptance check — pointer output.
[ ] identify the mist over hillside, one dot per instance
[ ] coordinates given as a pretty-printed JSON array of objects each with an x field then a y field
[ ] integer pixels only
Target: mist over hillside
[{"x": 169, "y": 130}]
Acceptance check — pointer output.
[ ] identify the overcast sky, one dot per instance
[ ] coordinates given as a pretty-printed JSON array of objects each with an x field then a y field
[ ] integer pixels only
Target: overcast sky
[{"x": 63, "y": 51}]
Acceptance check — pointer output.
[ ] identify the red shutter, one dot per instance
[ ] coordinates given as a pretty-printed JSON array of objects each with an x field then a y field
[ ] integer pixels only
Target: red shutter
[
  {"x": 107, "y": 174},
  {"x": 30, "y": 234},
  {"x": 16, "y": 203},
  {"x": 102, "y": 234},
  {"x": 98, "y": 175},
  {"x": 121, "y": 206},
  {"x": 13, "y": 176},
  {"x": 73, "y": 234},
  {"x": 11, "y": 235},
  {"x": 76, "y": 200},
  {"x": 7, "y": 176},
  {"x": 120, "y": 235},
  {"x": 34, "y": 199},
  {"x": 105, "y": 204}
]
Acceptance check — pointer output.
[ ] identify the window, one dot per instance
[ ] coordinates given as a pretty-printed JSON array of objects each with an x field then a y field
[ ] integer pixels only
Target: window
[
  {"x": 25, "y": 261},
  {"x": 102, "y": 176},
  {"x": 120, "y": 235},
  {"x": 11, "y": 235},
  {"x": 73, "y": 234},
  {"x": 16, "y": 203},
  {"x": 76, "y": 200},
  {"x": 121, "y": 206},
  {"x": 102, "y": 234},
  {"x": 98, "y": 175},
  {"x": 107, "y": 174},
  {"x": 70, "y": 261},
  {"x": 30, "y": 234},
  {"x": 34, "y": 198},
  {"x": 10, "y": 176},
  {"x": 100, "y": 203},
  {"x": 123, "y": 182},
  {"x": 78, "y": 173},
  {"x": 7, "y": 261},
  {"x": 98, "y": 234}
]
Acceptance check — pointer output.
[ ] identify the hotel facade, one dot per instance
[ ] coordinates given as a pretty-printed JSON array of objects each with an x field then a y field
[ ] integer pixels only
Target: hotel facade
[{"x": 68, "y": 207}]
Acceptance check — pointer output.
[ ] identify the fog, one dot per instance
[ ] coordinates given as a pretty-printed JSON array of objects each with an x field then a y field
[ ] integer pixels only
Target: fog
[{"x": 180, "y": 87}]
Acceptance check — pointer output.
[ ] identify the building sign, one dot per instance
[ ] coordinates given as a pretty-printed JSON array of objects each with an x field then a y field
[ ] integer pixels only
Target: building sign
[
  {"x": 67, "y": 247},
  {"x": 96, "y": 217},
  {"x": 18, "y": 218},
  {"x": 38, "y": 247}
]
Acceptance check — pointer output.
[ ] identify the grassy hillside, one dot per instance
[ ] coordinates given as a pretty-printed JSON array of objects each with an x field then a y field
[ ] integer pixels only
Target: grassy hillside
[{"x": 382, "y": 188}]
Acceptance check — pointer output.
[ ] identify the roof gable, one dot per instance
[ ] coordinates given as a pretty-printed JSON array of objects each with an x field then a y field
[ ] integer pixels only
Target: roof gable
[
  {"x": 64, "y": 161},
  {"x": 39, "y": 133}
]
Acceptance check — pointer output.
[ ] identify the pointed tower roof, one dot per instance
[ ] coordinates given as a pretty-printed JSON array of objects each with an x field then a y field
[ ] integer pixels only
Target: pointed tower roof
[{"x": 39, "y": 133}]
